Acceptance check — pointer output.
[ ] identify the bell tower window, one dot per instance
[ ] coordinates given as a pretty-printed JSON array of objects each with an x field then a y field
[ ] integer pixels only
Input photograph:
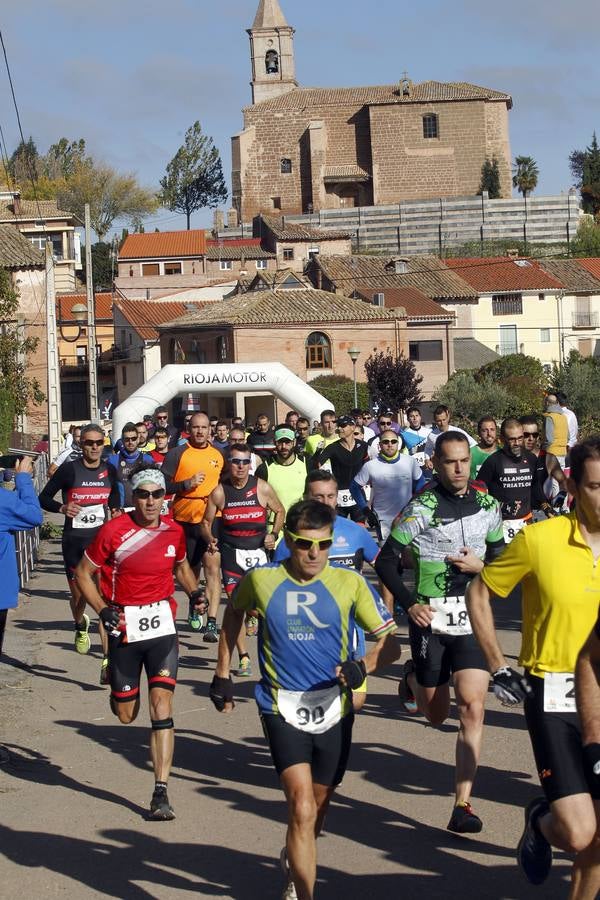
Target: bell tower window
[{"x": 272, "y": 62}]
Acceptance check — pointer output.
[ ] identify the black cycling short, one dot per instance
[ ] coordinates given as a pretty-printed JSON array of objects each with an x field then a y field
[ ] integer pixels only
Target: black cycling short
[
  {"x": 158, "y": 656},
  {"x": 73, "y": 549},
  {"x": 354, "y": 513},
  {"x": 556, "y": 742},
  {"x": 327, "y": 753},
  {"x": 195, "y": 545},
  {"x": 437, "y": 656}
]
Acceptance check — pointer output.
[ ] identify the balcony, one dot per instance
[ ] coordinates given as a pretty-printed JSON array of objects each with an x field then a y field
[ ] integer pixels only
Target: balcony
[{"x": 584, "y": 320}]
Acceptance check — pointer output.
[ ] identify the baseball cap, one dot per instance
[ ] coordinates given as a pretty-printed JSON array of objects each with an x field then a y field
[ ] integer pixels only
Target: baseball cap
[
  {"x": 345, "y": 420},
  {"x": 285, "y": 434}
]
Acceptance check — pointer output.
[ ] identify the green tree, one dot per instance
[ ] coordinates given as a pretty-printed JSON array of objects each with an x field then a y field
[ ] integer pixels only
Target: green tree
[
  {"x": 393, "y": 380},
  {"x": 490, "y": 178},
  {"x": 194, "y": 178},
  {"x": 470, "y": 397},
  {"x": 525, "y": 174},
  {"x": 18, "y": 389},
  {"x": 339, "y": 390},
  {"x": 24, "y": 164},
  {"x": 110, "y": 195},
  {"x": 63, "y": 158},
  {"x": 585, "y": 168},
  {"x": 579, "y": 379},
  {"x": 523, "y": 377},
  {"x": 587, "y": 242},
  {"x": 103, "y": 266}
]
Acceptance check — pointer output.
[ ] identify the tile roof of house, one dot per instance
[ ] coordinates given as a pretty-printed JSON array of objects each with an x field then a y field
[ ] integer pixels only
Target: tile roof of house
[
  {"x": 425, "y": 273},
  {"x": 284, "y": 307},
  {"x": 291, "y": 231},
  {"x": 573, "y": 276},
  {"x": 425, "y": 92},
  {"x": 471, "y": 354},
  {"x": 273, "y": 280},
  {"x": 17, "y": 252},
  {"x": 416, "y": 304},
  {"x": 238, "y": 251},
  {"x": 490, "y": 275},
  {"x": 591, "y": 264},
  {"x": 146, "y": 315},
  {"x": 66, "y": 302},
  {"x": 31, "y": 209},
  {"x": 164, "y": 244}
]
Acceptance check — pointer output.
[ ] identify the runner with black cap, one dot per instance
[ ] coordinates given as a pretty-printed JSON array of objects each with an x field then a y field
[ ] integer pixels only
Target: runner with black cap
[{"x": 344, "y": 458}]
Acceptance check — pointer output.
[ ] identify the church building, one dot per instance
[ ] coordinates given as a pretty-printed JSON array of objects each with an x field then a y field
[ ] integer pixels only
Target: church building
[{"x": 306, "y": 149}]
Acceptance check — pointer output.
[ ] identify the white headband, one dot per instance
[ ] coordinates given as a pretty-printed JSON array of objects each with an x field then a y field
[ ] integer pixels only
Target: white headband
[{"x": 154, "y": 476}]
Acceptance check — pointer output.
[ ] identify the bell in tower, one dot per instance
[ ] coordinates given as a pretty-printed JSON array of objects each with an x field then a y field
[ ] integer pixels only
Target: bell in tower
[{"x": 272, "y": 50}]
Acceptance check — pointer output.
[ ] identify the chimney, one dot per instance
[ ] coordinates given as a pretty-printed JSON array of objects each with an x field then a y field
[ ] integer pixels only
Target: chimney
[{"x": 17, "y": 203}]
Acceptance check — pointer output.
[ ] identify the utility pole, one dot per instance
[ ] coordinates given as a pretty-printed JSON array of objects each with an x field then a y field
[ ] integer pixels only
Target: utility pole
[
  {"x": 91, "y": 320},
  {"x": 53, "y": 361}
]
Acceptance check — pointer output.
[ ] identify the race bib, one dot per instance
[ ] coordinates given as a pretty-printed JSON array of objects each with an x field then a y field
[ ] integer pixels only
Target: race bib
[
  {"x": 311, "y": 711},
  {"x": 420, "y": 457},
  {"x": 90, "y": 516},
  {"x": 151, "y": 621},
  {"x": 249, "y": 559},
  {"x": 451, "y": 616},
  {"x": 345, "y": 499},
  {"x": 165, "y": 509},
  {"x": 511, "y": 528},
  {"x": 559, "y": 692}
]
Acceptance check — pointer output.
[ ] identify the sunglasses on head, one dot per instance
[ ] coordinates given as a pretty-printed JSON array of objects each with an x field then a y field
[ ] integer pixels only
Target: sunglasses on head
[
  {"x": 143, "y": 494},
  {"x": 92, "y": 443},
  {"x": 304, "y": 543},
  {"x": 240, "y": 461}
]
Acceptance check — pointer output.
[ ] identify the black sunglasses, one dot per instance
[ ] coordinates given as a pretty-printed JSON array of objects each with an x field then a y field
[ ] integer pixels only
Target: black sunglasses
[
  {"x": 91, "y": 443},
  {"x": 143, "y": 494}
]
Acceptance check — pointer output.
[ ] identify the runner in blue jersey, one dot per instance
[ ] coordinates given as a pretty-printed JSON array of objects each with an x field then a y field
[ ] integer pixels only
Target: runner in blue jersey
[
  {"x": 307, "y": 610},
  {"x": 352, "y": 546}
]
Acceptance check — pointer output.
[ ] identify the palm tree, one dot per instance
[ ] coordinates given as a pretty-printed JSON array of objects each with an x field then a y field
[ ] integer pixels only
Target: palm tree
[{"x": 525, "y": 174}]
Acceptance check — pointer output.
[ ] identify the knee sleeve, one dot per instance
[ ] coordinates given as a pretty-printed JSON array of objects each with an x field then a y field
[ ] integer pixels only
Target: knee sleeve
[{"x": 162, "y": 724}]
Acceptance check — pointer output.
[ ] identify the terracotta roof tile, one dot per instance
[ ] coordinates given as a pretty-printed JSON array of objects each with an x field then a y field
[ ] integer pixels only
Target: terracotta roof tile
[
  {"x": 32, "y": 209},
  {"x": 425, "y": 273},
  {"x": 591, "y": 264},
  {"x": 17, "y": 252},
  {"x": 416, "y": 304},
  {"x": 283, "y": 307},
  {"x": 66, "y": 302},
  {"x": 238, "y": 251},
  {"x": 146, "y": 315},
  {"x": 425, "y": 92},
  {"x": 501, "y": 273},
  {"x": 164, "y": 244},
  {"x": 572, "y": 275},
  {"x": 291, "y": 231},
  {"x": 350, "y": 173}
]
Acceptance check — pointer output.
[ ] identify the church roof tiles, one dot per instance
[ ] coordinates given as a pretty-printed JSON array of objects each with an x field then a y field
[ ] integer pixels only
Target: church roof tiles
[{"x": 283, "y": 230}]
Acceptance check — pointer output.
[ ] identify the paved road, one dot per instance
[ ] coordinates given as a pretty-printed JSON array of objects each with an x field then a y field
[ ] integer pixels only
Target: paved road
[{"x": 77, "y": 785}]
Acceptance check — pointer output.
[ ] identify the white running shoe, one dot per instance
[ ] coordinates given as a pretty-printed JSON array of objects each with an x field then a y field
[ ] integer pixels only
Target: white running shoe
[{"x": 290, "y": 891}]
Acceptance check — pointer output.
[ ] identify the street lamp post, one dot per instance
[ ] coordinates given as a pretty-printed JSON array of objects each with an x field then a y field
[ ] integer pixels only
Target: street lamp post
[{"x": 354, "y": 353}]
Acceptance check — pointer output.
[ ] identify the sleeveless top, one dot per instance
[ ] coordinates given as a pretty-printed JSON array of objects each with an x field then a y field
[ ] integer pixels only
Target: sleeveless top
[{"x": 243, "y": 519}]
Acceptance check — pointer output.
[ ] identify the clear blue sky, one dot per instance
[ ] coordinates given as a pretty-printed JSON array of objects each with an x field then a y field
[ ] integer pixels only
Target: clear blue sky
[{"x": 131, "y": 75}]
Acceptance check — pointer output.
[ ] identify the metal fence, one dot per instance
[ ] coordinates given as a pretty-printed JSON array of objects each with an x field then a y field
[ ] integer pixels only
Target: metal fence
[{"x": 28, "y": 542}]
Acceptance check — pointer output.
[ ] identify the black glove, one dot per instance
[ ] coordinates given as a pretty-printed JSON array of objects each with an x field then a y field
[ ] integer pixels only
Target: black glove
[
  {"x": 110, "y": 618},
  {"x": 548, "y": 511},
  {"x": 371, "y": 517},
  {"x": 198, "y": 599},
  {"x": 354, "y": 672},
  {"x": 591, "y": 763},
  {"x": 559, "y": 500},
  {"x": 221, "y": 692},
  {"x": 510, "y": 687}
]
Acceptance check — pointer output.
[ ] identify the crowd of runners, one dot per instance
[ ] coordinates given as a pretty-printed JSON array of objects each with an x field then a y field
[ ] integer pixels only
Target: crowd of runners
[{"x": 280, "y": 522}]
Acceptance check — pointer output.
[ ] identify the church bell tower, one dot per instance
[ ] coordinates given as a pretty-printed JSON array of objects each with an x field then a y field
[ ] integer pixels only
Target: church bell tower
[{"x": 272, "y": 52}]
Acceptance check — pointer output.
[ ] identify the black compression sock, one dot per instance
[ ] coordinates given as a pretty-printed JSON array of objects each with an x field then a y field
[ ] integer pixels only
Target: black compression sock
[
  {"x": 212, "y": 619},
  {"x": 160, "y": 787}
]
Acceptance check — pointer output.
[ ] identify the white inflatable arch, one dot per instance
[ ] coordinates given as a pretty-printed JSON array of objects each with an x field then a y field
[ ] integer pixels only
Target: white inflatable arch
[{"x": 173, "y": 380}]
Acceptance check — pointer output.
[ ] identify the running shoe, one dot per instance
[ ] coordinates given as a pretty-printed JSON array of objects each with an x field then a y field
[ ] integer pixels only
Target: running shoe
[
  {"x": 534, "y": 853},
  {"x": 194, "y": 618},
  {"x": 82, "y": 636},
  {"x": 407, "y": 698},
  {"x": 244, "y": 669},
  {"x": 290, "y": 890},
  {"x": 160, "y": 808},
  {"x": 464, "y": 821},
  {"x": 104, "y": 671},
  {"x": 251, "y": 626},
  {"x": 211, "y": 635}
]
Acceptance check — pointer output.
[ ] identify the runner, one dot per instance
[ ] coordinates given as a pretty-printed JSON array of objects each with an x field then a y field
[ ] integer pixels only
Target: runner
[
  {"x": 547, "y": 472},
  {"x": 556, "y": 563},
  {"x": 161, "y": 417},
  {"x": 345, "y": 458},
  {"x": 441, "y": 424},
  {"x": 508, "y": 475},
  {"x": 352, "y": 547},
  {"x": 245, "y": 502},
  {"x": 70, "y": 452},
  {"x": 125, "y": 460},
  {"x": 488, "y": 444},
  {"x": 415, "y": 434},
  {"x": 326, "y": 436},
  {"x": 556, "y": 429},
  {"x": 449, "y": 527},
  {"x": 145, "y": 443},
  {"x": 137, "y": 555},
  {"x": 237, "y": 435},
  {"x": 307, "y": 610},
  {"x": 192, "y": 472},
  {"x": 286, "y": 470},
  {"x": 262, "y": 440},
  {"x": 302, "y": 433},
  {"x": 89, "y": 488},
  {"x": 221, "y": 438},
  {"x": 161, "y": 440}
]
